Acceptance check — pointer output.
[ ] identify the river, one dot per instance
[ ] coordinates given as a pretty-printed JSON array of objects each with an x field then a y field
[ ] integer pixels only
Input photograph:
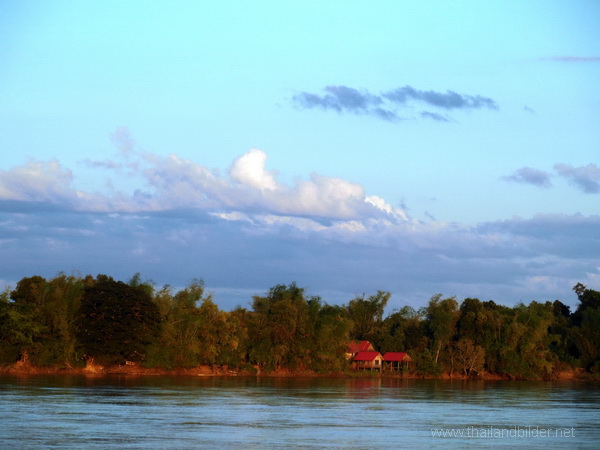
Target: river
[{"x": 249, "y": 412}]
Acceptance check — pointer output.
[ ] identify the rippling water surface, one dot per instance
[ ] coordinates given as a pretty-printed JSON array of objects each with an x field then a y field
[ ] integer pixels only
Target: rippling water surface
[{"x": 187, "y": 412}]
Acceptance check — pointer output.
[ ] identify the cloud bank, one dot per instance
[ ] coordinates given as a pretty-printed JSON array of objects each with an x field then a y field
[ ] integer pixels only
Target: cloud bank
[
  {"x": 171, "y": 182},
  {"x": 244, "y": 231},
  {"x": 389, "y": 105}
]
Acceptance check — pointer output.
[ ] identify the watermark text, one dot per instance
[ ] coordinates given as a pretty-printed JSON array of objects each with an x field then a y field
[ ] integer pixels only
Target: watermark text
[{"x": 503, "y": 433}]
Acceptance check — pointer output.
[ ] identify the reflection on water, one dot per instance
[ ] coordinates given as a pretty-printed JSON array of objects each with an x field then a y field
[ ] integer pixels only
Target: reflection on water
[{"x": 183, "y": 412}]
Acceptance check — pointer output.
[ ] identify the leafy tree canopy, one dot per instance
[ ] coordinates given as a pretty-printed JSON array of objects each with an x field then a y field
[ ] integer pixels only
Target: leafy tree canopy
[{"x": 116, "y": 321}]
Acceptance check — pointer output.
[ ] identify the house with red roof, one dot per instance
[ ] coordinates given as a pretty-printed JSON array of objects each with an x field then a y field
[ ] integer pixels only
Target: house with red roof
[
  {"x": 355, "y": 347},
  {"x": 368, "y": 360},
  {"x": 364, "y": 356}
]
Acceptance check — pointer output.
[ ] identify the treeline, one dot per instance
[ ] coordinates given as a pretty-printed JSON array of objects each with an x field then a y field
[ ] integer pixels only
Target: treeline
[{"x": 68, "y": 321}]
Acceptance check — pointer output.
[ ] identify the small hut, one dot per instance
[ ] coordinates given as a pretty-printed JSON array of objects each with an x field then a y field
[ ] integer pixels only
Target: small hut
[{"x": 394, "y": 360}]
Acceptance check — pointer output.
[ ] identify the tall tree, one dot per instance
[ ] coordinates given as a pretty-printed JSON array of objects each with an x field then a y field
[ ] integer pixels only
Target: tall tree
[
  {"x": 366, "y": 314},
  {"x": 392, "y": 334},
  {"x": 17, "y": 330},
  {"x": 469, "y": 356},
  {"x": 524, "y": 350},
  {"x": 588, "y": 299},
  {"x": 281, "y": 328},
  {"x": 51, "y": 306},
  {"x": 441, "y": 322},
  {"x": 332, "y": 331},
  {"x": 560, "y": 334},
  {"x": 116, "y": 321},
  {"x": 586, "y": 327}
]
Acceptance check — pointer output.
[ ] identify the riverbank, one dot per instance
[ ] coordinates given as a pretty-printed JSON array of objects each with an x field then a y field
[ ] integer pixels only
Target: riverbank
[{"x": 134, "y": 369}]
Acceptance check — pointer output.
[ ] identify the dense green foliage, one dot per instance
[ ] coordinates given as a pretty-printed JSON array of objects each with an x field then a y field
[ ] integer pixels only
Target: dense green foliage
[
  {"x": 69, "y": 320},
  {"x": 116, "y": 321}
]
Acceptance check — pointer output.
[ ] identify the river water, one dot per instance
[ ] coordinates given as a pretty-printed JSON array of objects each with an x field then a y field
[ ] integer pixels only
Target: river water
[{"x": 240, "y": 412}]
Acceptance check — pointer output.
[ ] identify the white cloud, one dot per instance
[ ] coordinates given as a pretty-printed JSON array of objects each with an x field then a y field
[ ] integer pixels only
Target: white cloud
[
  {"x": 380, "y": 203},
  {"x": 179, "y": 183},
  {"x": 249, "y": 169},
  {"x": 232, "y": 216},
  {"x": 298, "y": 223},
  {"x": 322, "y": 196},
  {"x": 38, "y": 181},
  {"x": 353, "y": 226},
  {"x": 172, "y": 183}
]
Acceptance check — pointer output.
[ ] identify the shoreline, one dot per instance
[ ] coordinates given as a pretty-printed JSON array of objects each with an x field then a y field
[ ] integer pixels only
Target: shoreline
[{"x": 135, "y": 370}]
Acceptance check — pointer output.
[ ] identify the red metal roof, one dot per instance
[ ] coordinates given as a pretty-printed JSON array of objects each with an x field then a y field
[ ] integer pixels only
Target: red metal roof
[
  {"x": 358, "y": 346},
  {"x": 396, "y": 356},
  {"x": 366, "y": 356}
]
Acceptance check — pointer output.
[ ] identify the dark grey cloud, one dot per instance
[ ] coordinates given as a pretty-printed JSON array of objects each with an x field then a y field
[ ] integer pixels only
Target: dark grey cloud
[
  {"x": 561, "y": 235},
  {"x": 445, "y": 100},
  {"x": 507, "y": 261},
  {"x": 435, "y": 116},
  {"x": 385, "y": 114},
  {"x": 18, "y": 206},
  {"x": 529, "y": 175},
  {"x": 585, "y": 178},
  {"x": 344, "y": 99}
]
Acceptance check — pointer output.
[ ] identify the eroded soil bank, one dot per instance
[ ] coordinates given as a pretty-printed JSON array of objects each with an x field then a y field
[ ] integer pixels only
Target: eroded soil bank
[{"x": 26, "y": 368}]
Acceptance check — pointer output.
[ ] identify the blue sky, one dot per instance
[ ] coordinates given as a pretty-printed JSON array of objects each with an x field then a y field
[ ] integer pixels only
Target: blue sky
[{"x": 413, "y": 147}]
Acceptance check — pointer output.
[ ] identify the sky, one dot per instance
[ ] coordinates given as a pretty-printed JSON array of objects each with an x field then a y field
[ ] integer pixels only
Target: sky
[{"x": 348, "y": 146}]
